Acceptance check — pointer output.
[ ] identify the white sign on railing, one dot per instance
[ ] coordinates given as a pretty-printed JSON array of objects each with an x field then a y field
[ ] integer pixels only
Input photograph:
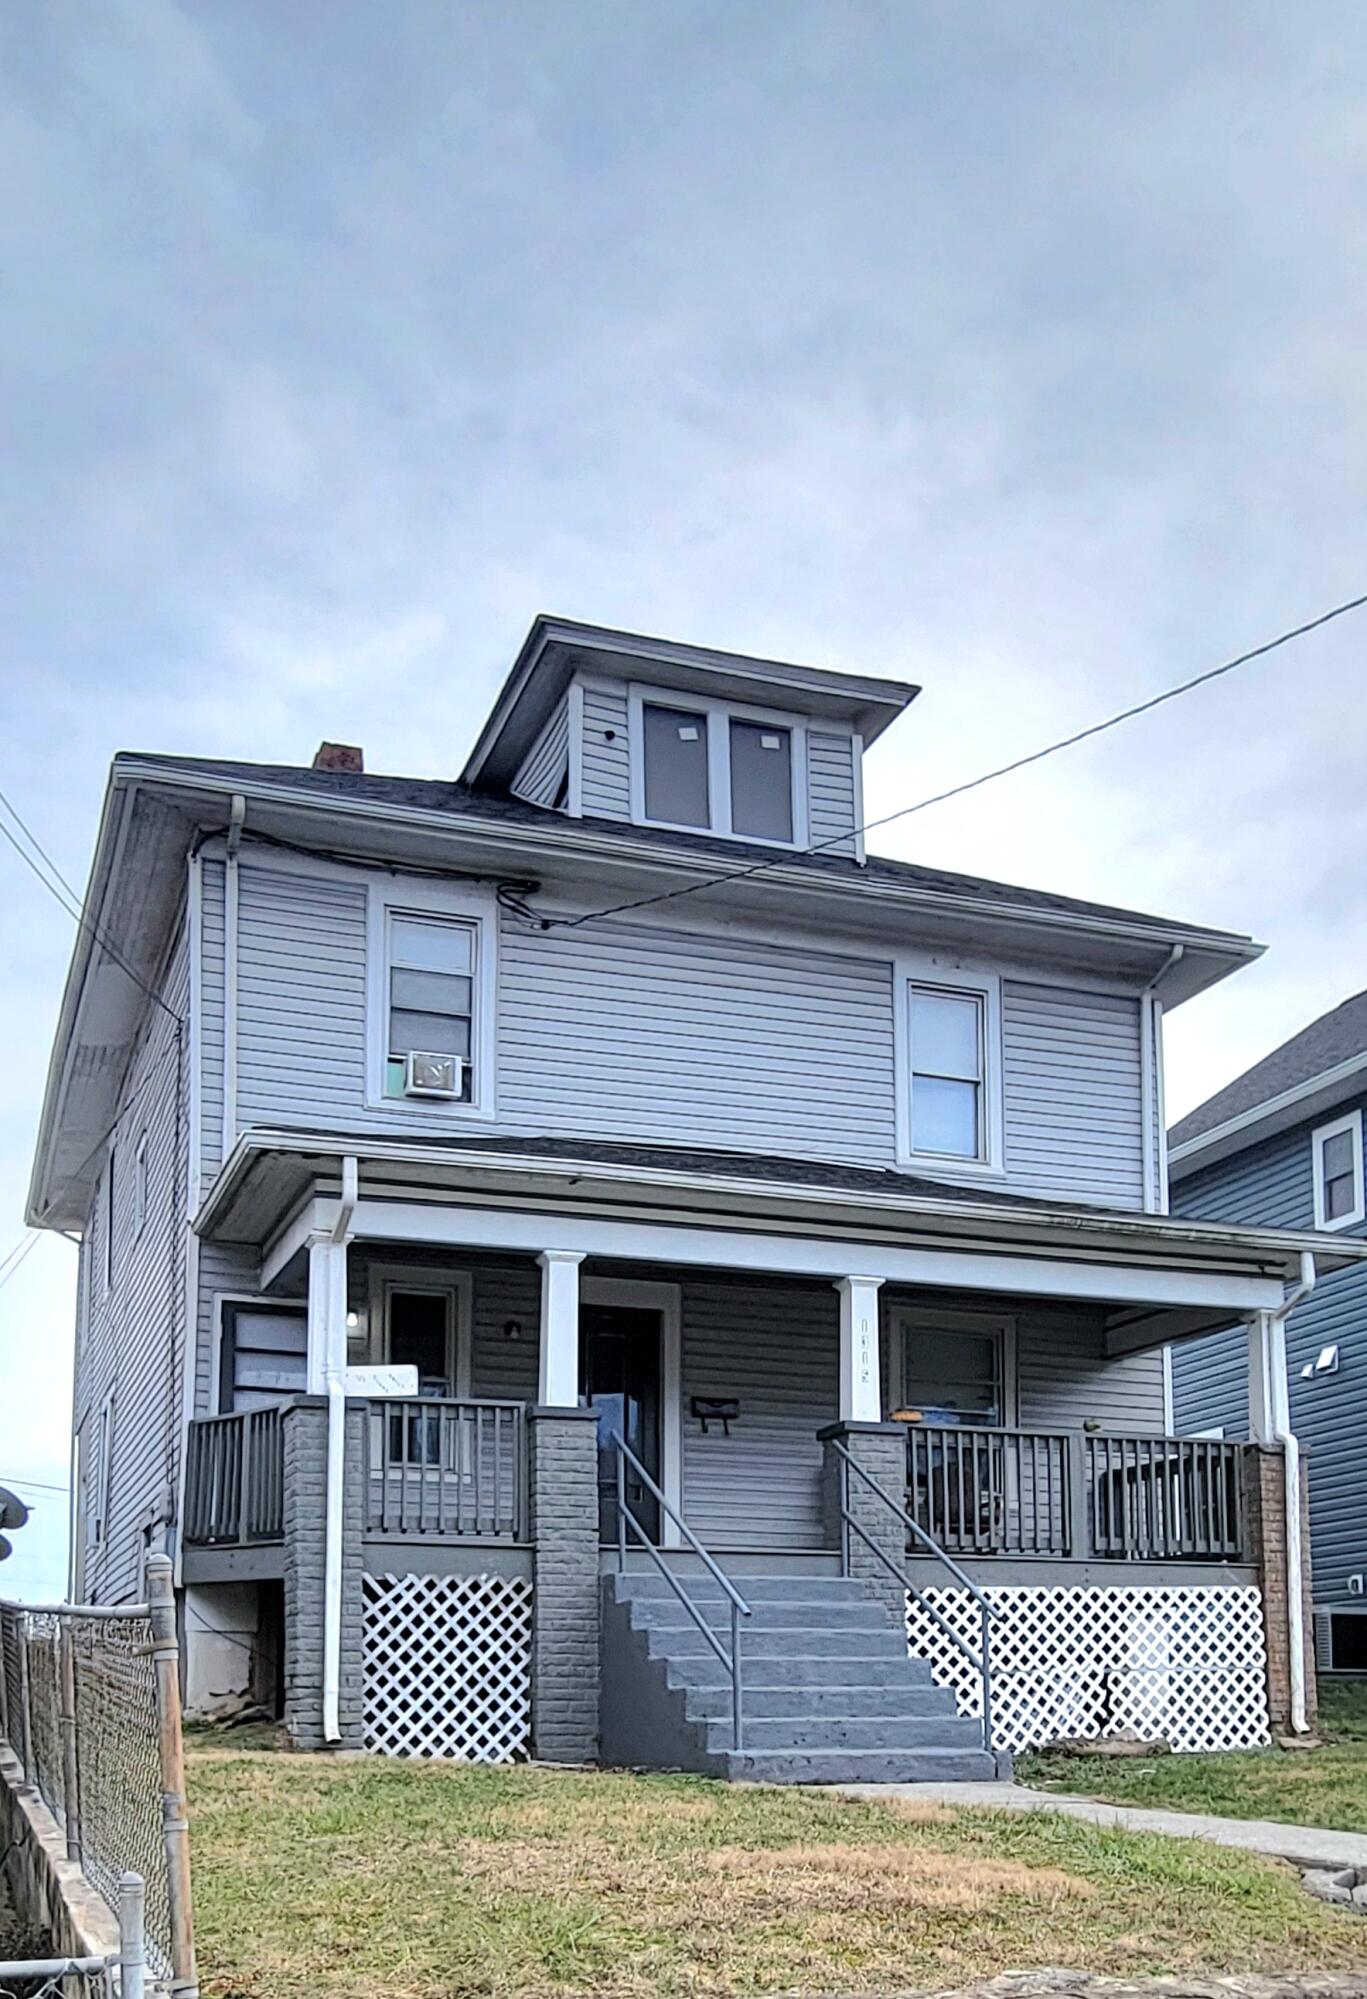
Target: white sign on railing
[{"x": 380, "y": 1381}]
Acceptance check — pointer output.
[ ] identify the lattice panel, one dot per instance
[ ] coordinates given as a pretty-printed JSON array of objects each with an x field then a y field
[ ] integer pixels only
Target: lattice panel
[
  {"x": 1188, "y": 1665},
  {"x": 448, "y": 1663}
]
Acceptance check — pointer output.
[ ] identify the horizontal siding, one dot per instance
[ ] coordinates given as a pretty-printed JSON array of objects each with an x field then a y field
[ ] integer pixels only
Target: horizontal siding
[
  {"x": 1272, "y": 1185},
  {"x": 225, "y": 1268},
  {"x": 300, "y": 999},
  {"x": 1072, "y": 1099},
  {"x": 831, "y": 792},
  {"x": 1065, "y": 1380},
  {"x": 606, "y": 787},
  {"x": 211, "y": 1021},
  {"x": 133, "y": 1336},
  {"x": 620, "y": 1032},
  {"x": 543, "y": 768}
]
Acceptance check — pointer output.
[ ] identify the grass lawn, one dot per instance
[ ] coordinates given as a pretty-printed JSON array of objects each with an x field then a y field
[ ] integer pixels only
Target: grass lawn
[
  {"x": 409, "y": 1881},
  {"x": 1326, "y": 1787}
]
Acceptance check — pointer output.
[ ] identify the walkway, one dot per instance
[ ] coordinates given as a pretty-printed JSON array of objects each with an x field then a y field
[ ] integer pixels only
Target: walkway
[{"x": 1307, "y": 1846}]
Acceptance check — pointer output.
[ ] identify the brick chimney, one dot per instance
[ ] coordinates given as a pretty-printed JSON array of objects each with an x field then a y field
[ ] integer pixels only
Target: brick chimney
[{"x": 339, "y": 756}]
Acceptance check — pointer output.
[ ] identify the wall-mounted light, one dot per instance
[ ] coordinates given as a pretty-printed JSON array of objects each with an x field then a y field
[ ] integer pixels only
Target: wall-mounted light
[{"x": 1326, "y": 1361}]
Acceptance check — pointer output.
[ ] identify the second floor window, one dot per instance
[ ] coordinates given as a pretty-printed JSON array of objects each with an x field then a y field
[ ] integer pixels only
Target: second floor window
[
  {"x": 735, "y": 772},
  {"x": 948, "y": 1072},
  {"x": 1338, "y": 1173},
  {"x": 431, "y": 999},
  {"x": 677, "y": 788}
]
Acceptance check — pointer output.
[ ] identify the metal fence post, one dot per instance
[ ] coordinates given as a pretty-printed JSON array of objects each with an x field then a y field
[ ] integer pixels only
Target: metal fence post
[
  {"x": 71, "y": 1794},
  {"x": 132, "y": 1936},
  {"x": 175, "y": 1821}
]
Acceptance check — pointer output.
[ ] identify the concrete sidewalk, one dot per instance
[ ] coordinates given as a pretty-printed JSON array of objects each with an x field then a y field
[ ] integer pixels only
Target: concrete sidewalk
[{"x": 1306, "y": 1846}]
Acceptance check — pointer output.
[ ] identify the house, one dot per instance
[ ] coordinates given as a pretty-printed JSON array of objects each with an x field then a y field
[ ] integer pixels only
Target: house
[
  {"x": 1282, "y": 1145},
  {"x": 583, "y": 1259}
]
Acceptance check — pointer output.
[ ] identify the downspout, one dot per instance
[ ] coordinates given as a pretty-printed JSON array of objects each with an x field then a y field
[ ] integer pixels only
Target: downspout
[
  {"x": 1151, "y": 1137},
  {"x": 335, "y": 1379},
  {"x": 1284, "y": 1435}
]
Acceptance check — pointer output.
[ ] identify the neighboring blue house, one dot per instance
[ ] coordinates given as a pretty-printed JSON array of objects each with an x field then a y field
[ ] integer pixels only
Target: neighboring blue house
[{"x": 1281, "y": 1147}]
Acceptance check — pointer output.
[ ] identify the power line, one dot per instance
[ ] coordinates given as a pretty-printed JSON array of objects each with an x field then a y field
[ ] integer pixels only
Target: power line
[
  {"x": 19, "y": 1260},
  {"x": 67, "y": 899},
  {"x": 33, "y": 1484},
  {"x": 18, "y": 1247},
  {"x": 971, "y": 784}
]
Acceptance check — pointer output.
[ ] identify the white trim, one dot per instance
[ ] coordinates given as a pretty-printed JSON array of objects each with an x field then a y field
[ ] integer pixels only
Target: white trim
[
  {"x": 1160, "y": 1077},
  {"x": 1169, "y": 1417},
  {"x": 98, "y": 1535},
  {"x": 861, "y": 1388},
  {"x": 667, "y": 1300},
  {"x": 141, "y": 1183},
  {"x": 450, "y": 1225},
  {"x": 1319, "y": 1137},
  {"x": 433, "y": 1280},
  {"x": 909, "y": 971},
  {"x": 558, "y": 1385},
  {"x": 1000, "y": 1326},
  {"x": 717, "y": 717},
  {"x": 1329, "y": 1082},
  {"x": 857, "y": 752},
  {"x": 1148, "y": 1108},
  {"x": 459, "y": 902},
  {"x": 574, "y": 716}
]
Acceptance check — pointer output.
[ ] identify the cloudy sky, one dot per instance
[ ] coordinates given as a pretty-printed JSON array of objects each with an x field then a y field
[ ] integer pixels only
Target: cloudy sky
[{"x": 1016, "y": 349}]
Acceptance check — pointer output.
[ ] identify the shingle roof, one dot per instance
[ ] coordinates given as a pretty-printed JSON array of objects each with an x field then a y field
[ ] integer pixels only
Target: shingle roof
[
  {"x": 442, "y": 795},
  {"x": 1335, "y": 1037}
]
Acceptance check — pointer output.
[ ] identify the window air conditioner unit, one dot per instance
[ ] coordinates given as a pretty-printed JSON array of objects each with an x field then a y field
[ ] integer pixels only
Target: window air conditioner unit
[{"x": 431, "y": 1075}]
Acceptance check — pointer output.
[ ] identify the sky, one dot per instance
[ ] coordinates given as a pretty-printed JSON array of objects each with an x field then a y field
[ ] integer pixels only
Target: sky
[{"x": 1013, "y": 349}]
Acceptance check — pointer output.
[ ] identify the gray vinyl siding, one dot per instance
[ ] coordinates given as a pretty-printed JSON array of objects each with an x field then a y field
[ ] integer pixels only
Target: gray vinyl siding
[
  {"x": 225, "y": 1269},
  {"x": 211, "y": 1020},
  {"x": 544, "y": 767},
  {"x": 133, "y": 1334},
  {"x": 1072, "y": 1098},
  {"x": 1272, "y": 1184},
  {"x": 1065, "y": 1380},
  {"x": 605, "y": 791},
  {"x": 629, "y": 1031},
  {"x": 831, "y": 790}
]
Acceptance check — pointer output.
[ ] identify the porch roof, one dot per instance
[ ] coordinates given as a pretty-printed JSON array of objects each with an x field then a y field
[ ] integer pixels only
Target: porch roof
[{"x": 1164, "y": 1277}]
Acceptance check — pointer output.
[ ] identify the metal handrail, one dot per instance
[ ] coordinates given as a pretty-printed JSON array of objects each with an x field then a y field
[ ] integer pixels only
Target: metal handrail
[
  {"x": 981, "y": 1661},
  {"x": 739, "y": 1607}
]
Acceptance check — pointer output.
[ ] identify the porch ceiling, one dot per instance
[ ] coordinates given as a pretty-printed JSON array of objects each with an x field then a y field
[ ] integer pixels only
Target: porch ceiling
[{"x": 1163, "y": 1279}]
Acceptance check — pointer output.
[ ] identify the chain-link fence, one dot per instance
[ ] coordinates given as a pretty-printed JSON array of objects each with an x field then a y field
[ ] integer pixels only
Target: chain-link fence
[
  {"x": 90, "y": 1707},
  {"x": 119, "y": 1977}
]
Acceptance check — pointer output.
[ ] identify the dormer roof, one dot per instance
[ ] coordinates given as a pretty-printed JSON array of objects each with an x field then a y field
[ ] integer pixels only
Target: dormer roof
[{"x": 556, "y": 649}]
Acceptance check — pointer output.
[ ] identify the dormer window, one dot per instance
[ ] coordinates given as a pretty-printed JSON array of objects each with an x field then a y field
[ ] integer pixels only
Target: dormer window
[{"x": 714, "y": 768}]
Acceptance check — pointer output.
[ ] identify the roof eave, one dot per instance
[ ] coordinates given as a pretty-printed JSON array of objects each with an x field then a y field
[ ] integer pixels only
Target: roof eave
[{"x": 1265, "y": 1120}]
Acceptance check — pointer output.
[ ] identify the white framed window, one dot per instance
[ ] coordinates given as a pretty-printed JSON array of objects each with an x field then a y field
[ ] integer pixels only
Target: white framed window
[
  {"x": 1337, "y": 1153},
  {"x": 953, "y": 1367},
  {"x": 431, "y": 983},
  {"x": 715, "y": 767},
  {"x": 108, "y": 1222},
  {"x": 949, "y": 1069},
  {"x": 104, "y": 1472},
  {"x": 141, "y": 1182}
]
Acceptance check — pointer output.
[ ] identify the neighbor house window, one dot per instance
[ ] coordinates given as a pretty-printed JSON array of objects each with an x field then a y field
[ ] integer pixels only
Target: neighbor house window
[
  {"x": 1337, "y": 1150},
  {"x": 734, "y": 771},
  {"x": 104, "y": 1469},
  {"x": 141, "y": 1177},
  {"x": 948, "y": 1044},
  {"x": 431, "y": 1002}
]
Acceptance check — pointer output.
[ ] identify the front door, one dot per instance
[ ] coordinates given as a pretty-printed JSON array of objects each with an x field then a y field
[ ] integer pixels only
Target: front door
[{"x": 619, "y": 1368}]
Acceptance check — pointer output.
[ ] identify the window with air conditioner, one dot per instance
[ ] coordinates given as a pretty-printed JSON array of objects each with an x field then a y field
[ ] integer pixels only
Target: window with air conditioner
[{"x": 431, "y": 983}]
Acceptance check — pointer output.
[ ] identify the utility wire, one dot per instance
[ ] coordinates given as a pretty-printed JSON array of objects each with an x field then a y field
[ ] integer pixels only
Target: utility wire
[
  {"x": 19, "y": 1247},
  {"x": 17, "y": 1264},
  {"x": 67, "y": 899},
  {"x": 33, "y": 1484},
  {"x": 971, "y": 784}
]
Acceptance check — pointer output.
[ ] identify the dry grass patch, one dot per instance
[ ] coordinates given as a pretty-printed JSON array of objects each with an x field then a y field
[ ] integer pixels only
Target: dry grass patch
[{"x": 406, "y": 1881}]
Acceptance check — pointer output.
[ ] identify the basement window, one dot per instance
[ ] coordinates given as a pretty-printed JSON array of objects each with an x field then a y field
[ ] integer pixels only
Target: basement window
[{"x": 1337, "y": 1153}]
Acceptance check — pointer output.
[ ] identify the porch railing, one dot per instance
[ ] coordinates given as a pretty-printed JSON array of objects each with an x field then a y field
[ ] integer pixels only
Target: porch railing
[
  {"x": 453, "y": 1469},
  {"x": 1087, "y": 1497},
  {"x": 235, "y": 1479}
]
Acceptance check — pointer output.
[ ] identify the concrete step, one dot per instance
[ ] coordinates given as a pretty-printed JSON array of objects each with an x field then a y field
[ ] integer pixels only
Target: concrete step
[
  {"x": 855, "y": 1766},
  {"x": 844, "y": 1614},
  {"x": 845, "y": 1701},
  {"x": 755, "y": 1589},
  {"x": 704, "y": 1669},
  {"x": 896, "y": 1734},
  {"x": 780, "y": 1642}
]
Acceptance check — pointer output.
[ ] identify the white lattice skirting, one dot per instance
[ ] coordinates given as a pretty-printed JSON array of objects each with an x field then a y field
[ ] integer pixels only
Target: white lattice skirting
[
  {"x": 1186, "y": 1665},
  {"x": 447, "y": 1666}
]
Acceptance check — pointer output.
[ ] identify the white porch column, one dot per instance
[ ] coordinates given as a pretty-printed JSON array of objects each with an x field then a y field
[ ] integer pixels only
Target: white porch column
[
  {"x": 327, "y": 1312},
  {"x": 1269, "y": 1404},
  {"x": 861, "y": 1390},
  {"x": 558, "y": 1373}
]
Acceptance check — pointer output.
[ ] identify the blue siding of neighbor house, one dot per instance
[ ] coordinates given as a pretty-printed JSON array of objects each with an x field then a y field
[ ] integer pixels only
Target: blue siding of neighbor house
[
  {"x": 630, "y": 1031},
  {"x": 1272, "y": 1183},
  {"x": 131, "y": 1334}
]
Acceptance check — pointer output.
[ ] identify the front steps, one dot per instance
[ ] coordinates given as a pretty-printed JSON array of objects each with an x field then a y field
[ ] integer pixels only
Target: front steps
[{"x": 830, "y": 1693}]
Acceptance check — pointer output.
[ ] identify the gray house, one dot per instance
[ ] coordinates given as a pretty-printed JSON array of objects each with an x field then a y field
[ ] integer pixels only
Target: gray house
[
  {"x": 1282, "y": 1145},
  {"x": 581, "y": 1259}
]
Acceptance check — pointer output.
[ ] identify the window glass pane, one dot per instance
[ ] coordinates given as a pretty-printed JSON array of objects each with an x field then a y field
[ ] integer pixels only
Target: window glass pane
[
  {"x": 430, "y": 992},
  {"x": 953, "y": 1377},
  {"x": 761, "y": 781},
  {"x": 944, "y": 1117},
  {"x": 1336, "y": 1155},
  {"x": 1338, "y": 1195},
  {"x": 946, "y": 1034},
  {"x": 417, "y": 1338},
  {"x": 430, "y": 1033},
  {"x": 431, "y": 946},
  {"x": 675, "y": 766}
]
